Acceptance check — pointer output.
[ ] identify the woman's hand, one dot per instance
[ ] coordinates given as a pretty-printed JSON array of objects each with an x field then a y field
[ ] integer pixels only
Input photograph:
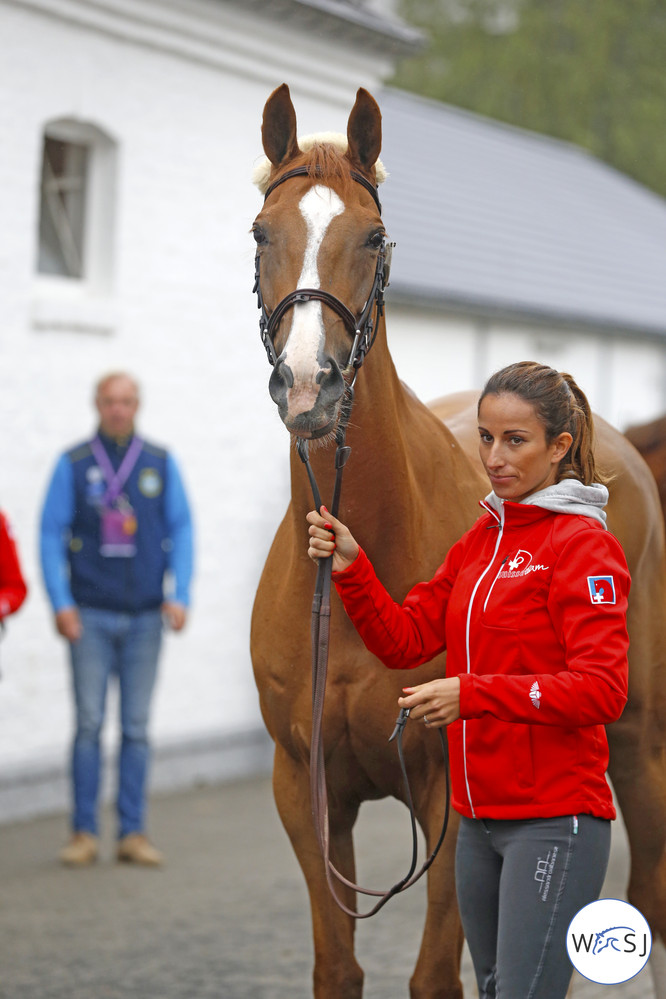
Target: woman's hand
[
  {"x": 436, "y": 702},
  {"x": 329, "y": 536}
]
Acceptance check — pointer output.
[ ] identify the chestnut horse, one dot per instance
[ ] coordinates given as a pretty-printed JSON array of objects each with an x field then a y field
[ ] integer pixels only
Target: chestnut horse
[
  {"x": 410, "y": 491},
  {"x": 649, "y": 439}
]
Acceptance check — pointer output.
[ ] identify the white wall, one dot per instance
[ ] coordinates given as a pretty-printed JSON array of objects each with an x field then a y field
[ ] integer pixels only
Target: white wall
[
  {"x": 184, "y": 107},
  {"x": 624, "y": 377}
]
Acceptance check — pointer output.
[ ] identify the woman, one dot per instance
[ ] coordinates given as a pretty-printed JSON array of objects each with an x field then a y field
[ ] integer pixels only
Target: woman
[
  {"x": 530, "y": 605},
  {"x": 12, "y": 584},
  {"x": 13, "y": 589}
]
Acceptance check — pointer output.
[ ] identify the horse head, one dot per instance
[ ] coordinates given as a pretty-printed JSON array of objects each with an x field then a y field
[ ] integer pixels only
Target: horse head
[{"x": 321, "y": 259}]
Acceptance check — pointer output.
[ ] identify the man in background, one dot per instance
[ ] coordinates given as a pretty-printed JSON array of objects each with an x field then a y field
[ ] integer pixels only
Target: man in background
[{"x": 116, "y": 553}]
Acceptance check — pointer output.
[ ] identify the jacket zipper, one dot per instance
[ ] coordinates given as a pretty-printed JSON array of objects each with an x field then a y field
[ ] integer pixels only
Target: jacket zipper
[
  {"x": 485, "y": 602},
  {"x": 467, "y": 648}
]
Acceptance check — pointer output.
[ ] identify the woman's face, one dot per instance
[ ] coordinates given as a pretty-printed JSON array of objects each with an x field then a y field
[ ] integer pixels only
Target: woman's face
[{"x": 513, "y": 448}]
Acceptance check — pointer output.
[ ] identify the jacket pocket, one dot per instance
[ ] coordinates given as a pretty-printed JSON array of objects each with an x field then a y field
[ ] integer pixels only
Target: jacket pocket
[
  {"x": 522, "y": 755},
  {"x": 512, "y": 598}
]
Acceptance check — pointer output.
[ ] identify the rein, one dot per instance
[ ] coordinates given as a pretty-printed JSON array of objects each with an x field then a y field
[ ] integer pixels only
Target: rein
[
  {"x": 362, "y": 332},
  {"x": 320, "y": 634}
]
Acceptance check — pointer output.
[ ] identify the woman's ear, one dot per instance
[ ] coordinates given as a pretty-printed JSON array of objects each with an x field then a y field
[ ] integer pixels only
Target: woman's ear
[{"x": 561, "y": 445}]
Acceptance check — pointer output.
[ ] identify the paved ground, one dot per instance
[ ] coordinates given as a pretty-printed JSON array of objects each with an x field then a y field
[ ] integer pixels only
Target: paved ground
[{"x": 227, "y": 918}]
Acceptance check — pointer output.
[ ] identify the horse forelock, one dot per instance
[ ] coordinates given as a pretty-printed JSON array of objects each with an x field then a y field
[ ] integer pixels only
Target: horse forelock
[{"x": 325, "y": 157}]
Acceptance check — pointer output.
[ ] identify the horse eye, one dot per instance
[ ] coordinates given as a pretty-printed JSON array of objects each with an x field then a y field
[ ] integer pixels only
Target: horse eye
[
  {"x": 376, "y": 239},
  {"x": 259, "y": 235}
]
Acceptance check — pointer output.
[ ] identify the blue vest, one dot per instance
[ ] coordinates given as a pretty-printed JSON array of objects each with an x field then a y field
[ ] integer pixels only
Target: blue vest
[{"x": 128, "y": 584}]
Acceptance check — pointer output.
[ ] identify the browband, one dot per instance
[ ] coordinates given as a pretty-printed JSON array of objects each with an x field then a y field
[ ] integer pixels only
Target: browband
[{"x": 303, "y": 171}]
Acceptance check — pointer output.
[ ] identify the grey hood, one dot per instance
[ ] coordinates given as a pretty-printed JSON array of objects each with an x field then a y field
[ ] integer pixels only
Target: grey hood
[{"x": 567, "y": 496}]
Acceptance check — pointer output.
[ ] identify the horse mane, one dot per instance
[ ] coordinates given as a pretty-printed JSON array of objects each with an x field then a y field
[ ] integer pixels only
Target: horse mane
[{"x": 325, "y": 158}]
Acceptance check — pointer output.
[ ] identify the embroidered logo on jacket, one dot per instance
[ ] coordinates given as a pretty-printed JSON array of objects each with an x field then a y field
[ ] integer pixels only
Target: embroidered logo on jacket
[
  {"x": 535, "y": 694},
  {"x": 602, "y": 589},
  {"x": 150, "y": 482},
  {"x": 519, "y": 564}
]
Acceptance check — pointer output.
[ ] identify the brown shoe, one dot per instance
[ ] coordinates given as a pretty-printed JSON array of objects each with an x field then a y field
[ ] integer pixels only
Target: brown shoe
[
  {"x": 135, "y": 848},
  {"x": 81, "y": 850}
]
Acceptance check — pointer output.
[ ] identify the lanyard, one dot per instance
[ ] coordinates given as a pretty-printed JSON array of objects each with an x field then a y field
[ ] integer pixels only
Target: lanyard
[{"x": 115, "y": 480}]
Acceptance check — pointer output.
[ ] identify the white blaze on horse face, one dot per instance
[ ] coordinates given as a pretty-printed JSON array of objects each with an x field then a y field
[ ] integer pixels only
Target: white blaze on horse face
[{"x": 318, "y": 207}]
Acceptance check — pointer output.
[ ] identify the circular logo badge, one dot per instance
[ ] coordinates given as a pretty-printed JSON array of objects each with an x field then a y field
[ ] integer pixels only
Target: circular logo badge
[
  {"x": 150, "y": 482},
  {"x": 609, "y": 941}
]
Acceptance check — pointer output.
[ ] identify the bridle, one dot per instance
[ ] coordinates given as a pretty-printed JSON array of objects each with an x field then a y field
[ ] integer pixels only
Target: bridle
[{"x": 364, "y": 331}]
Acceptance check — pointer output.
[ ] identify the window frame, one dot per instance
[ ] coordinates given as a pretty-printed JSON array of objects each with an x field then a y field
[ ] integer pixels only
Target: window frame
[{"x": 85, "y": 302}]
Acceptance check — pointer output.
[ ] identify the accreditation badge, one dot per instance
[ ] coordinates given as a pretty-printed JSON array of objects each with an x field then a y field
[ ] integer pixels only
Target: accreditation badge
[{"x": 118, "y": 531}]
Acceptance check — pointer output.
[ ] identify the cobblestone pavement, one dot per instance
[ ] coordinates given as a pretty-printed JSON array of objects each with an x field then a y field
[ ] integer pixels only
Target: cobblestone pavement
[{"x": 226, "y": 918}]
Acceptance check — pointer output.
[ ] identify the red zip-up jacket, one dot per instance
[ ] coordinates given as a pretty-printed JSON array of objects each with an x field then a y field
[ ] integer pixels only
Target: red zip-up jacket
[
  {"x": 531, "y": 608},
  {"x": 12, "y": 585}
]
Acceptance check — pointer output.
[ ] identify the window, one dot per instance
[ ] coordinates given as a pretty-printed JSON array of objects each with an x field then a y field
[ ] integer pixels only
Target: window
[
  {"x": 74, "y": 256},
  {"x": 62, "y": 208}
]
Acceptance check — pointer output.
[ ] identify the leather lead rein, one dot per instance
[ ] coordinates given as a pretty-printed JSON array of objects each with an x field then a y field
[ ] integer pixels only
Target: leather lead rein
[{"x": 320, "y": 635}]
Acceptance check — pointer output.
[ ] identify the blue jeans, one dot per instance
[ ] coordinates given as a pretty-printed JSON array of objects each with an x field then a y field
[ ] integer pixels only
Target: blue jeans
[{"x": 127, "y": 645}]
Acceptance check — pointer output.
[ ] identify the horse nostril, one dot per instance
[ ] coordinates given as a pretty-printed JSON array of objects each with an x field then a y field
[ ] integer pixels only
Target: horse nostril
[
  {"x": 281, "y": 380},
  {"x": 330, "y": 377}
]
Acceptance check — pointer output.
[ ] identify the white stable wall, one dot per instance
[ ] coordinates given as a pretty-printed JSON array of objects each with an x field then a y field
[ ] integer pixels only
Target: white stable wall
[
  {"x": 624, "y": 377},
  {"x": 180, "y": 88}
]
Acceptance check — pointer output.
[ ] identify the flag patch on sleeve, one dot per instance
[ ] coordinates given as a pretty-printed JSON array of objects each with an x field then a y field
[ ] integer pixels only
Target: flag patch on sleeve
[{"x": 602, "y": 589}]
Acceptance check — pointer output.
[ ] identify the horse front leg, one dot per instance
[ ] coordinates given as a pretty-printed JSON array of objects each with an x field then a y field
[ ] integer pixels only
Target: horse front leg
[
  {"x": 337, "y": 974},
  {"x": 437, "y": 971}
]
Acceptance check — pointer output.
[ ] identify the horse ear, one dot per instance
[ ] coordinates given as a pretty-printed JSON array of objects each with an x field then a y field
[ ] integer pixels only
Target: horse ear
[
  {"x": 364, "y": 132},
  {"x": 278, "y": 128}
]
